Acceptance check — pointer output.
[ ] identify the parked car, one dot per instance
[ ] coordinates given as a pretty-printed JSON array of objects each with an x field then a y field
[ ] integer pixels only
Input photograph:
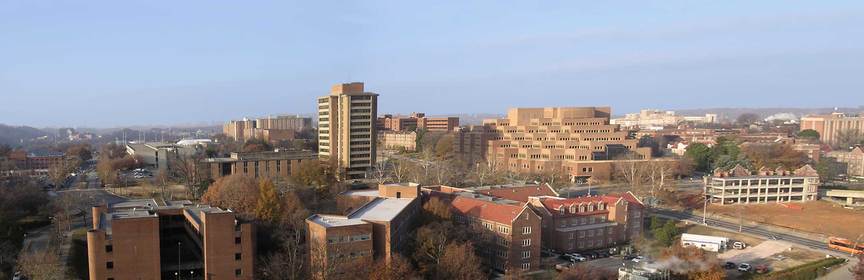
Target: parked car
[
  {"x": 739, "y": 245},
  {"x": 592, "y": 255},
  {"x": 745, "y": 267},
  {"x": 629, "y": 257},
  {"x": 574, "y": 257},
  {"x": 603, "y": 254},
  {"x": 729, "y": 265},
  {"x": 563, "y": 266},
  {"x": 638, "y": 259},
  {"x": 762, "y": 269}
]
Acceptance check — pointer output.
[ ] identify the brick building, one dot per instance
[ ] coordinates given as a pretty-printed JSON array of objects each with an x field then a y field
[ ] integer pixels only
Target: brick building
[
  {"x": 740, "y": 185},
  {"x": 276, "y": 164},
  {"x": 398, "y": 140},
  {"x": 271, "y": 129},
  {"x": 375, "y": 227},
  {"x": 576, "y": 141},
  {"x": 509, "y": 232},
  {"x": 591, "y": 222},
  {"x": 150, "y": 239},
  {"x": 830, "y": 127},
  {"x": 417, "y": 121},
  {"x": 853, "y": 159}
]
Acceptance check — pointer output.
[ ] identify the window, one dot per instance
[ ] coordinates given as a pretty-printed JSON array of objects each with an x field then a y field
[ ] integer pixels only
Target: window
[
  {"x": 526, "y": 254},
  {"x": 526, "y": 242},
  {"x": 109, "y": 248},
  {"x": 526, "y": 266},
  {"x": 526, "y": 230},
  {"x": 109, "y": 265},
  {"x": 238, "y": 272},
  {"x": 238, "y": 256},
  {"x": 237, "y": 240}
]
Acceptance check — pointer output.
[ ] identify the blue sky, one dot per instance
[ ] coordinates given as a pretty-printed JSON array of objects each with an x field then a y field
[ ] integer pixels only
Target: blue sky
[{"x": 114, "y": 63}]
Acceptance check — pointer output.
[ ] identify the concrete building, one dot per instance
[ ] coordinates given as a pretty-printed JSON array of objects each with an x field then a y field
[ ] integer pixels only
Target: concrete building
[
  {"x": 150, "y": 239},
  {"x": 831, "y": 127},
  {"x": 587, "y": 223},
  {"x": 376, "y": 227},
  {"x": 398, "y": 140},
  {"x": 417, "y": 121},
  {"x": 576, "y": 141},
  {"x": 346, "y": 129},
  {"x": 158, "y": 154},
  {"x": 853, "y": 159},
  {"x": 705, "y": 242},
  {"x": 843, "y": 197},
  {"x": 651, "y": 118},
  {"x": 739, "y": 185},
  {"x": 277, "y": 164},
  {"x": 509, "y": 231},
  {"x": 271, "y": 129}
]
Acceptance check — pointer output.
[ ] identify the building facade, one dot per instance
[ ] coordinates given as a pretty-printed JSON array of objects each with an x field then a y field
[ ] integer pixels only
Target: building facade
[
  {"x": 150, "y": 239},
  {"x": 271, "y": 129},
  {"x": 739, "y": 186},
  {"x": 831, "y": 127},
  {"x": 398, "y": 141},
  {"x": 417, "y": 121},
  {"x": 376, "y": 226},
  {"x": 346, "y": 129},
  {"x": 854, "y": 161},
  {"x": 576, "y": 141},
  {"x": 587, "y": 223},
  {"x": 276, "y": 164},
  {"x": 651, "y": 118}
]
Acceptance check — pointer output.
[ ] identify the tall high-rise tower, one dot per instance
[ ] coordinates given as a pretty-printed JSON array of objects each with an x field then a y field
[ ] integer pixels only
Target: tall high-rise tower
[{"x": 346, "y": 129}]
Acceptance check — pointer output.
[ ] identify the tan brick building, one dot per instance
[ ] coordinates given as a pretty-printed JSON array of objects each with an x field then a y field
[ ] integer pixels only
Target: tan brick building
[
  {"x": 276, "y": 165},
  {"x": 417, "y": 121},
  {"x": 830, "y": 127},
  {"x": 346, "y": 129},
  {"x": 854, "y": 161},
  {"x": 150, "y": 239},
  {"x": 588, "y": 223},
  {"x": 398, "y": 140},
  {"x": 375, "y": 227},
  {"x": 577, "y": 141},
  {"x": 271, "y": 129}
]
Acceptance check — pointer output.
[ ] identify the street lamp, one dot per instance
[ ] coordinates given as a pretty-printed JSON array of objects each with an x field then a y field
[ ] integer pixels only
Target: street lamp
[{"x": 179, "y": 245}]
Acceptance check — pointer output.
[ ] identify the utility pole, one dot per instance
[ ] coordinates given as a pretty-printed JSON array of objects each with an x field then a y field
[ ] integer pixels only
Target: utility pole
[
  {"x": 740, "y": 216},
  {"x": 705, "y": 209}
]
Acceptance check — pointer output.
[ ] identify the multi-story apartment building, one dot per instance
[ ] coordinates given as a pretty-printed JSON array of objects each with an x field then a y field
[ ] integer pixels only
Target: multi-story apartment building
[
  {"x": 578, "y": 142},
  {"x": 739, "y": 185},
  {"x": 853, "y": 159},
  {"x": 271, "y": 129},
  {"x": 276, "y": 164},
  {"x": 398, "y": 140},
  {"x": 831, "y": 127},
  {"x": 150, "y": 239},
  {"x": 509, "y": 232},
  {"x": 472, "y": 143},
  {"x": 346, "y": 129},
  {"x": 375, "y": 227},
  {"x": 590, "y": 222},
  {"x": 417, "y": 121}
]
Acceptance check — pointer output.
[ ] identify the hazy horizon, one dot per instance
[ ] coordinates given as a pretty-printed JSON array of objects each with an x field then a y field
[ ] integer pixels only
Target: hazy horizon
[{"x": 111, "y": 64}]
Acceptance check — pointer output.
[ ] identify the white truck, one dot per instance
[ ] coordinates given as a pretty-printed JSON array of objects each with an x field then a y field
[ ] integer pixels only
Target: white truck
[{"x": 705, "y": 242}]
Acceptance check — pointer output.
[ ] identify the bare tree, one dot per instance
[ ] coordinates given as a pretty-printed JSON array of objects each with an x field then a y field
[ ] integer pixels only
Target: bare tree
[
  {"x": 43, "y": 265},
  {"x": 380, "y": 172},
  {"x": 288, "y": 263},
  {"x": 630, "y": 170},
  {"x": 658, "y": 172},
  {"x": 186, "y": 168},
  {"x": 400, "y": 171}
]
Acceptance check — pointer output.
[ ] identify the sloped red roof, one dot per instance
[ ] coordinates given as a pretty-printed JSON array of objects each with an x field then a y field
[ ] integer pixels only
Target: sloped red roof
[
  {"x": 520, "y": 193},
  {"x": 552, "y": 204},
  {"x": 486, "y": 210}
]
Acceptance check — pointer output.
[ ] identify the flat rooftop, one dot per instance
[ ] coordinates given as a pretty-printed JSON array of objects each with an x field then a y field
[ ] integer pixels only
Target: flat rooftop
[
  {"x": 335, "y": 221},
  {"x": 381, "y": 209},
  {"x": 366, "y": 192}
]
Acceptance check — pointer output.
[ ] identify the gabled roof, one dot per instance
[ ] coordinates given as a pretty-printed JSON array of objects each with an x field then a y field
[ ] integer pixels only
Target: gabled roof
[{"x": 486, "y": 210}]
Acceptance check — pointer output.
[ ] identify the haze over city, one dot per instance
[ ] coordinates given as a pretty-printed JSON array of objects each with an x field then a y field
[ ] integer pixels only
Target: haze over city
[{"x": 109, "y": 63}]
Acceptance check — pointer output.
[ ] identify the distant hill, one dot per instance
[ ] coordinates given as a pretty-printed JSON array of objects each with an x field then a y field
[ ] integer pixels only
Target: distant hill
[{"x": 13, "y": 135}]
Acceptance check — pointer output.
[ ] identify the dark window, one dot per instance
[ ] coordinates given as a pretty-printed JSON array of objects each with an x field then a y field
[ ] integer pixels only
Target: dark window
[
  {"x": 236, "y": 240},
  {"x": 238, "y": 272},
  {"x": 109, "y": 248},
  {"x": 237, "y": 257},
  {"x": 109, "y": 265},
  {"x": 110, "y": 278},
  {"x": 398, "y": 194}
]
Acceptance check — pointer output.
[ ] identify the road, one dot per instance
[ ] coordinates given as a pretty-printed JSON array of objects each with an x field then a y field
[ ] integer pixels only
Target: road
[{"x": 752, "y": 230}]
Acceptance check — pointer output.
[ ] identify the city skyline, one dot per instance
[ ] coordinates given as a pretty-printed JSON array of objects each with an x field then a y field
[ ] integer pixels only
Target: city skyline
[{"x": 122, "y": 64}]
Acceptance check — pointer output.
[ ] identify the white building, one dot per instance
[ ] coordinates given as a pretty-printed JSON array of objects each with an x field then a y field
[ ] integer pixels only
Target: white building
[
  {"x": 653, "y": 119},
  {"x": 704, "y": 242}
]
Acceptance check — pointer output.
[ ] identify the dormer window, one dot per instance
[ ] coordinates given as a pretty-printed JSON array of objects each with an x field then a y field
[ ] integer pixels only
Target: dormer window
[
  {"x": 561, "y": 209},
  {"x": 573, "y": 208}
]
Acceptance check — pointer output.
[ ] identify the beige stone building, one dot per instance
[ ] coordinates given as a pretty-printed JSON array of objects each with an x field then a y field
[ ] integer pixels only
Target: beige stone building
[
  {"x": 275, "y": 165},
  {"x": 346, "y": 129},
  {"x": 153, "y": 239},
  {"x": 577, "y": 141},
  {"x": 830, "y": 127},
  {"x": 393, "y": 140},
  {"x": 657, "y": 119},
  {"x": 271, "y": 129},
  {"x": 417, "y": 121}
]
